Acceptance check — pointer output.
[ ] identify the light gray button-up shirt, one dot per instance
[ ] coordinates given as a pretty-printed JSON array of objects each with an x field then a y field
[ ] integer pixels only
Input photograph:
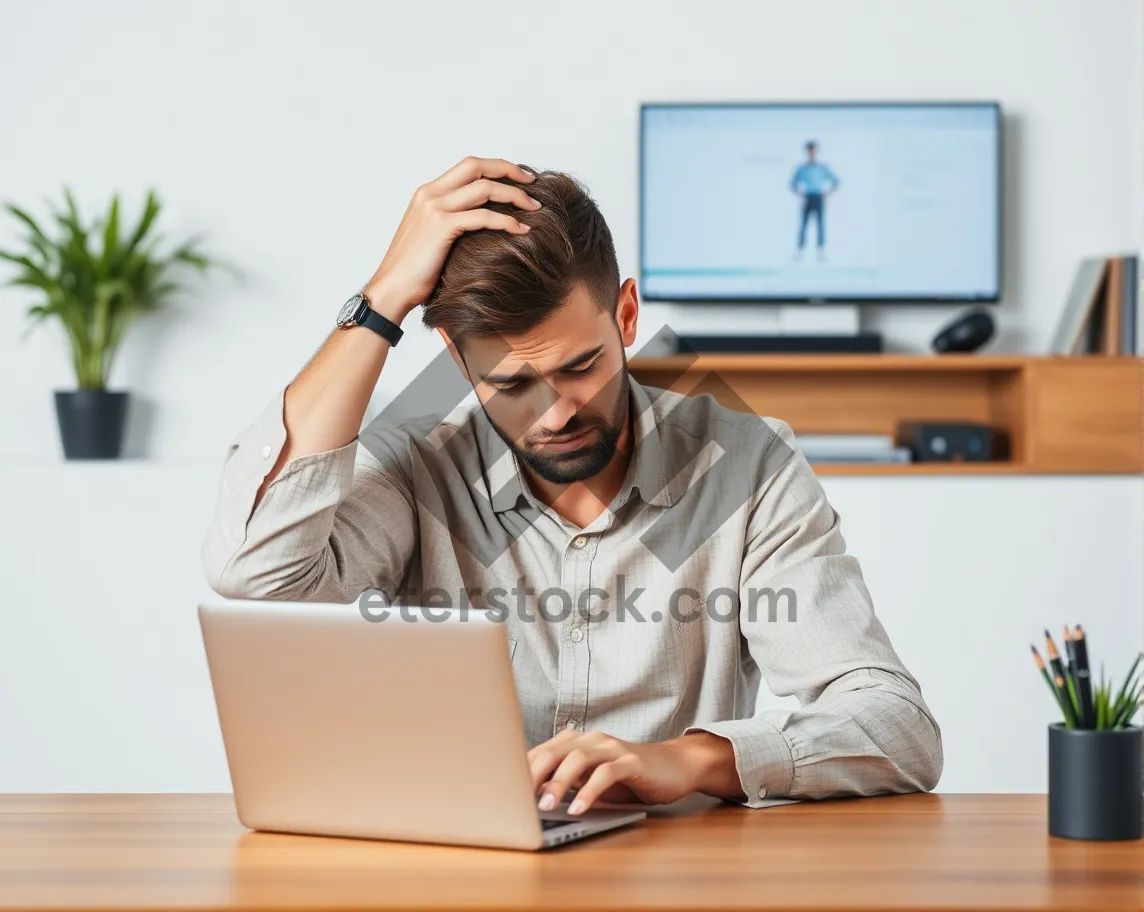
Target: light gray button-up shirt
[{"x": 719, "y": 563}]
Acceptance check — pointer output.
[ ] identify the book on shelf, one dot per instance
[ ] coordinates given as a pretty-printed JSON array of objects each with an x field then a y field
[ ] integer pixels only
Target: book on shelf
[
  {"x": 1102, "y": 315},
  {"x": 896, "y": 454},
  {"x": 845, "y": 443},
  {"x": 1088, "y": 282},
  {"x": 1130, "y": 333},
  {"x": 851, "y": 448}
]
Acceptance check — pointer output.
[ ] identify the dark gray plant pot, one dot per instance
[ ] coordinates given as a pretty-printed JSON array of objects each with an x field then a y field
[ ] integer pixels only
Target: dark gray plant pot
[
  {"x": 91, "y": 422},
  {"x": 1095, "y": 783}
]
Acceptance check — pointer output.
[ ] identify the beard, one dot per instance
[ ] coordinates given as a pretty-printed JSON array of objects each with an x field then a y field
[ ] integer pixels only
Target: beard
[{"x": 582, "y": 463}]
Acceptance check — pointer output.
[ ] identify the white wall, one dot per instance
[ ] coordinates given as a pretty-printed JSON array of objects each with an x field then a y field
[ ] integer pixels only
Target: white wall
[{"x": 294, "y": 133}]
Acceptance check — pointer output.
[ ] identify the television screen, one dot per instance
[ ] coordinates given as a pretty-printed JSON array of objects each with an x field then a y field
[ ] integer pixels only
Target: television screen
[{"x": 800, "y": 202}]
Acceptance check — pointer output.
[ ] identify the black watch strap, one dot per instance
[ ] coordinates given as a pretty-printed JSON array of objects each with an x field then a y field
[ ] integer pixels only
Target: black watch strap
[{"x": 384, "y": 327}]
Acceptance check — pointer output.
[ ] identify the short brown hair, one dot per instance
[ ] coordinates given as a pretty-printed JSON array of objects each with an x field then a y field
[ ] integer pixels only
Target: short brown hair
[{"x": 496, "y": 283}]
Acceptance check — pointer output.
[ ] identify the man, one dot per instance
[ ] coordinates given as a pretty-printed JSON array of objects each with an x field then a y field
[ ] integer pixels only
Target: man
[
  {"x": 627, "y": 536},
  {"x": 813, "y": 182}
]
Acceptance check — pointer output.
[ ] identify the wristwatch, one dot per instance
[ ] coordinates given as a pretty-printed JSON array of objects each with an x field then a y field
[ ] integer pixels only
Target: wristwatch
[{"x": 357, "y": 312}]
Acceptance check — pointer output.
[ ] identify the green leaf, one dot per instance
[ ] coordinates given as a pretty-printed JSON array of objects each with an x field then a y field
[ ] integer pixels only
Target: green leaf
[
  {"x": 18, "y": 259},
  {"x": 1074, "y": 702},
  {"x": 1127, "y": 679},
  {"x": 146, "y": 220},
  {"x": 40, "y": 310},
  {"x": 23, "y": 216},
  {"x": 110, "y": 237},
  {"x": 188, "y": 253},
  {"x": 1126, "y": 704}
]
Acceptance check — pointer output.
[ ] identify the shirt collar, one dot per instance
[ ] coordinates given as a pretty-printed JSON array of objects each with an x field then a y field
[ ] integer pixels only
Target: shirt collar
[{"x": 646, "y": 474}]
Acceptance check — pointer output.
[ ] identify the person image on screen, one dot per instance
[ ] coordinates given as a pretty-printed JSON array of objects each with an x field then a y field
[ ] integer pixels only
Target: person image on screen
[{"x": 813, "y": 181}]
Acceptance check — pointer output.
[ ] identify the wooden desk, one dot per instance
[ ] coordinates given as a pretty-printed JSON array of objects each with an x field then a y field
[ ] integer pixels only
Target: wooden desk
[{"x": 914, "y": 851}]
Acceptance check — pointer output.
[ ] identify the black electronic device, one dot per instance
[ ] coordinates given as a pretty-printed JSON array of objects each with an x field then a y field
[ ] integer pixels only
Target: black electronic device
[
  {"x": 952, "y": 441},
  {"x": 967, "y": 333},
  {"x": 862, "y": 343}
]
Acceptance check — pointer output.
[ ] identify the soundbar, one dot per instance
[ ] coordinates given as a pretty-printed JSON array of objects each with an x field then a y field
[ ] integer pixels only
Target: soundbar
[{"x": 809, "y": 345}]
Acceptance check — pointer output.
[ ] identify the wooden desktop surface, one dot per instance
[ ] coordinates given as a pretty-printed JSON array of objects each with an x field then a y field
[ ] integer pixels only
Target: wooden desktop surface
[{"x": 910, "y": 851}]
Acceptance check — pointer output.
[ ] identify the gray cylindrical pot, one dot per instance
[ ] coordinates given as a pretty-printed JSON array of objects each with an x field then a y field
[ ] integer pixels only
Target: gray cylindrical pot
[
  {"x": 1095, "y": 783},
  {"x": 91, "y": 422}
]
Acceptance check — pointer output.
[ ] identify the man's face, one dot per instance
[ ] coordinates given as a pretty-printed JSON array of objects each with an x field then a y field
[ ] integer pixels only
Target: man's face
[
  {"x": 810, "y": 151},
  {"x": 558, "y": 394}
]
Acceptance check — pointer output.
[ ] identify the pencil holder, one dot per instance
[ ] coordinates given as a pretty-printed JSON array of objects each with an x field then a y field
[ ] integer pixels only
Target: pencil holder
[{"x": 1095, "y": 782}]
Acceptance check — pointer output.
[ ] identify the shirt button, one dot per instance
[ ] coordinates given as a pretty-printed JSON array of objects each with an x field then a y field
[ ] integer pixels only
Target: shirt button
[
  {"x": 571, "y": 723},
  {"x": 576, "y": 635},
  {"x": 266, "y": 451},
  {"x": 579, "y": 541}
]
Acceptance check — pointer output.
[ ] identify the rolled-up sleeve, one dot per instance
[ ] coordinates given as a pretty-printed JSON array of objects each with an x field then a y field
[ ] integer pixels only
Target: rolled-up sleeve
[
  {"x": 862, "y": 727},
  {"x": 328, "y": 527}
]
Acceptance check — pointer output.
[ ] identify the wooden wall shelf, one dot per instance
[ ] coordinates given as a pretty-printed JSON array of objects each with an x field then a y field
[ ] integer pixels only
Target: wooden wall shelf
[{"x": 1063, "y": 415}]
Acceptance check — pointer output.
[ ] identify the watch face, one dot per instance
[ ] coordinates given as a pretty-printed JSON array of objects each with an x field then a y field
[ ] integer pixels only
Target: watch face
[{"x": 348, "y": 310}]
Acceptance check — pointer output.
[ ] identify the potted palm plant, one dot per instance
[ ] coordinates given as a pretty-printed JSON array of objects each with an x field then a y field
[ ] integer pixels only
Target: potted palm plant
[
  {"x": 1096, "y": 752},
  {"x": 95, "y": 281}
]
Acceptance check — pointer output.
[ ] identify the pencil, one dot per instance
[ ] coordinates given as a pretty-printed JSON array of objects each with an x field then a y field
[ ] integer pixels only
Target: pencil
[
  {"x": 1062, "y": 682},
  {"x": 1070, "y": 653},
  {"x": 1069, "y": 663},
  {"x": 1048, "y": 679},
  {"x": 1083, "y": 679}
]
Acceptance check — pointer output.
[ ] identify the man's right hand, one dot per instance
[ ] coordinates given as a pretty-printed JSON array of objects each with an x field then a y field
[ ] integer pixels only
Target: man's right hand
[{"x": 439, "y": 213}]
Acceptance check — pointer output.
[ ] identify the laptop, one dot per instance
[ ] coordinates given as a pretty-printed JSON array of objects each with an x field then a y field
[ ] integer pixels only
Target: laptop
[{"x": 403, "y": 729}]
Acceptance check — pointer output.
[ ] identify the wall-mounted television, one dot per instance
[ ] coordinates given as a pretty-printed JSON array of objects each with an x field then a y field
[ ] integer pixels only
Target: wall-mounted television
[{"x": 847, "y": 202}]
